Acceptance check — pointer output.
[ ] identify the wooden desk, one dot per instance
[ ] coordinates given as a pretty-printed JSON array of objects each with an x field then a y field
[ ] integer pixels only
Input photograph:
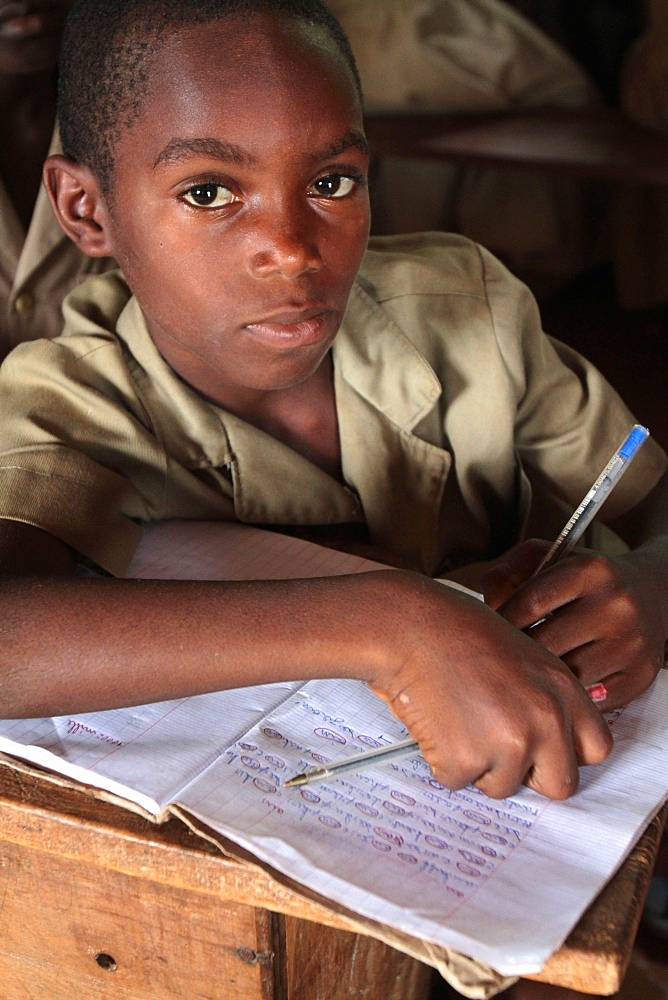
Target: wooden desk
[
  {"x": 596, "y": 143},
  {"x": 98, "y": 901}
]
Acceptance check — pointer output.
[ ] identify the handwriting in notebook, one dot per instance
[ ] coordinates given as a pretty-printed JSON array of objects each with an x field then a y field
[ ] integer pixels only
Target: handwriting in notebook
[{"x": 447, "y": 842}]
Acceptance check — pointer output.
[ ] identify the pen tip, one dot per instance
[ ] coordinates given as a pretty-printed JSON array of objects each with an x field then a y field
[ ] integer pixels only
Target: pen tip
[{"x": 299, "y": 779}]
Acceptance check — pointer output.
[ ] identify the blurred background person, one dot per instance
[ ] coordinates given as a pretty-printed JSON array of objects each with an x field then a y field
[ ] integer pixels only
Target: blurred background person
[
  {"x": 474, "y": 55},
  {"x": 38, "y": 263}
]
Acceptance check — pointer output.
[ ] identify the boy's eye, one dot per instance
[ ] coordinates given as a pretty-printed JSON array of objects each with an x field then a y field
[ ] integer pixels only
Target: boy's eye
[
  {"x": 208, "y": 195},
  {"x": 333, "y": 186}
]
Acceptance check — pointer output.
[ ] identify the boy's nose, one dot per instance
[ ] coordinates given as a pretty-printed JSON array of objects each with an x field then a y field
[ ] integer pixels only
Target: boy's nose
[{"x": 287, "y": 246}]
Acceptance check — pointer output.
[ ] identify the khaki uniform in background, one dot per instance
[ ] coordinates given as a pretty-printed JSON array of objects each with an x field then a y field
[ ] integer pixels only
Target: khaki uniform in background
[
  {"x": 37, "y": 270},
  {"x": 640, "y": 214},
  {"x": 468, "y": 55},
  {"x": 448, "y": 397}
]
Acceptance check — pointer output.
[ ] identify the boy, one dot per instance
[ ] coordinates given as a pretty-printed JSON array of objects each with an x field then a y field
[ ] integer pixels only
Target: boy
[{"x": 215, "y": 148}]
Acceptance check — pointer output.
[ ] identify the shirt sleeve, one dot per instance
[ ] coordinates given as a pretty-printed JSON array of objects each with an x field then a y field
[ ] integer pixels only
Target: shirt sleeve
[
  {"x": 77, "y": 456},
  {"x": 569, "y": 420}
]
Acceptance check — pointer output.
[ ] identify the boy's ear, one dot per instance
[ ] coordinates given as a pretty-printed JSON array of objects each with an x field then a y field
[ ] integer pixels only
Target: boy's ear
[{"x": 79, "y": 205}]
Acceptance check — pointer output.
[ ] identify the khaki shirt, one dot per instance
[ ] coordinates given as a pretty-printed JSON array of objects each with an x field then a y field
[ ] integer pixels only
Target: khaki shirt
[
  {"x": 37, "y": 270},
  {"x": 446, "y": 391}
]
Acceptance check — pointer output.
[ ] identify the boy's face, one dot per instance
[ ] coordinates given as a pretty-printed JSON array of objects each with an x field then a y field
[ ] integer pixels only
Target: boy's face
[{"x": 239, "y": 211}]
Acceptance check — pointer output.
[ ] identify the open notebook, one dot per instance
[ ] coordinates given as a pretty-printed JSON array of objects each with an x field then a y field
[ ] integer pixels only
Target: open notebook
[{"x": 453, "y": 868}]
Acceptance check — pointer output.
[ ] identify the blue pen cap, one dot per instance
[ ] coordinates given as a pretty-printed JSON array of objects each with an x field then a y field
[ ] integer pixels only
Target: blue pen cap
[{"x": 638, "y": 436}]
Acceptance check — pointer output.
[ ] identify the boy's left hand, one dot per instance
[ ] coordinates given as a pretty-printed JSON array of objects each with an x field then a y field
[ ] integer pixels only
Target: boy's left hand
[{"x": 602, "y": 616}]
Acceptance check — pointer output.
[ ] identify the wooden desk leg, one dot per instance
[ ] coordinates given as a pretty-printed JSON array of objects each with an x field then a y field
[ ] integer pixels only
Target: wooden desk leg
[{"x": 324, "y": 964}]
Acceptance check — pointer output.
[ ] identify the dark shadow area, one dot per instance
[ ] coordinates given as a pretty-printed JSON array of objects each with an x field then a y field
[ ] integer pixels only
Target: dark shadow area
[{"x": 629, "y": 347}]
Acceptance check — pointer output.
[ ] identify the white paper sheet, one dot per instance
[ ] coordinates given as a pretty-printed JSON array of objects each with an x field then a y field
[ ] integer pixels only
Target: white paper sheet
[
  {"x": 217, "y": 550},
  {"x": 147, "y": 754},
  {"x": 455, "y": 868}
]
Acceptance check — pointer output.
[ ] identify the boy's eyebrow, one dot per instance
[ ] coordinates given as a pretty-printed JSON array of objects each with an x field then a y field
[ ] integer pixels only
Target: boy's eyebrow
[
  {"x": 351, "y": 140},
  {"x": 181, "y": 149}
]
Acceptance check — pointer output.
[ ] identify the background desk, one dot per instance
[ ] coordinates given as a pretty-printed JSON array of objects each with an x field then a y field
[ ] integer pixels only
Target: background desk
[
  {"x": 97, "y": 901},
  {"x": 588, "y": 143}
]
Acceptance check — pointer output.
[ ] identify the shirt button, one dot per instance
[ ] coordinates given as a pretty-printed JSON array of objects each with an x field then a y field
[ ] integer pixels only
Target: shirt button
[{"x": 24, "y": 303}]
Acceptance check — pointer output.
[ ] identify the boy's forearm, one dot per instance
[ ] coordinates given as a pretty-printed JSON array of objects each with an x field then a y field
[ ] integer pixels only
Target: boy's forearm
[
  {"x": 76, "y": 645},
  {"x": 486, "y": 703}
]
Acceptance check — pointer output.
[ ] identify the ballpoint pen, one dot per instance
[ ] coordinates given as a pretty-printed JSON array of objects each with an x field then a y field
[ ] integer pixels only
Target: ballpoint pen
[
  {"x": 377, "y": 756},
  {"x": 569, "y": 535},
  {"x": 589, "y": 506}
]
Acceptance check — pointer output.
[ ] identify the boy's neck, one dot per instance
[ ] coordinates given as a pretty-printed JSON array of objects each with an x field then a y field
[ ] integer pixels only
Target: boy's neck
[{"x": 302, "y": 416}]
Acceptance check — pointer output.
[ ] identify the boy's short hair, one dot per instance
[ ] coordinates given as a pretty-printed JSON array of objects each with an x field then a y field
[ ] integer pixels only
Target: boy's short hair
[{"x": 106, "y": 55}]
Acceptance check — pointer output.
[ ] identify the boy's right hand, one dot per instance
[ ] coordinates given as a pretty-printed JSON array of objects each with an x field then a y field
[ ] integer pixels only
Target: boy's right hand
[{"x": 488, "y": 705}]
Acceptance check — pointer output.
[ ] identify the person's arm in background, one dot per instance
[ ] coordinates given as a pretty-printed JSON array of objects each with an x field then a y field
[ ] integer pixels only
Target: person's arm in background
[{"x": 487, "y": 704}]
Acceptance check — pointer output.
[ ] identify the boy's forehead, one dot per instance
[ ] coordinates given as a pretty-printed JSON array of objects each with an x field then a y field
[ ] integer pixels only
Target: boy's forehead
[
  {"x": 263, "y": 69},
  {"x": 248, "y": 52}
]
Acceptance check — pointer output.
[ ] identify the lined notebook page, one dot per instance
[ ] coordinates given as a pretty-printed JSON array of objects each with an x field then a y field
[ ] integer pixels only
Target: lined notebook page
[
  {"x": 216, "y": 550},
  {"x": 455, "y": 868},
  {"x": 147, "y": 754}
]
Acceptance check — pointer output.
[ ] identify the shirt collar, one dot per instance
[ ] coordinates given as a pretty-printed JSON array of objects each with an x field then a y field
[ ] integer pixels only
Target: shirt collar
[
  {"x": 384, "y": 387},
  {"x": 373, "y": 355}
]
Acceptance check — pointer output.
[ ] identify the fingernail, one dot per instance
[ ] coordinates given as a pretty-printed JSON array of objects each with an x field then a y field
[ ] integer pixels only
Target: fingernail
[{"x": 597, "y": 692}]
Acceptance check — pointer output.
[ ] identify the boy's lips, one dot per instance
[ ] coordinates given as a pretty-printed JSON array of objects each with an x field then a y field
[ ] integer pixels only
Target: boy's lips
[
  {"x": 293, "y": 328},
  {"x": 22, "y": 20}
]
